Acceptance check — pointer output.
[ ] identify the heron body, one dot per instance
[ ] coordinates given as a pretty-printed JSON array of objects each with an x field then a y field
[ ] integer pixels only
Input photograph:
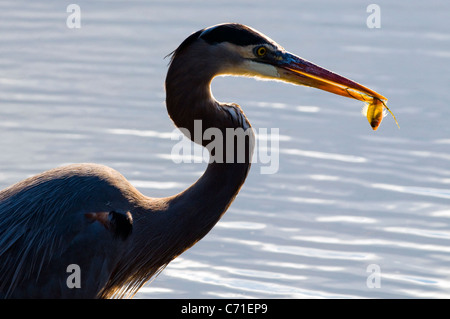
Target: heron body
[{"x": 89, "y": 215}]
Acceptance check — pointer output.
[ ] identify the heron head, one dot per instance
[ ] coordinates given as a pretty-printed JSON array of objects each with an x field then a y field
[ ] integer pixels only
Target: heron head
[{"x": 236, "y": 49}]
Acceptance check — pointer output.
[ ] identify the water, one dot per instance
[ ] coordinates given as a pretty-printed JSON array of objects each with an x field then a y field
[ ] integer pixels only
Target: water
[{"x": 344, "y": 197}]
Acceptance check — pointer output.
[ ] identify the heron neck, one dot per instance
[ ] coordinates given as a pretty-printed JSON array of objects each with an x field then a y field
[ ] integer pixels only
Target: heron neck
[
  {"x": 189, "y": 100},
  {"x": 197, "y": 209}
]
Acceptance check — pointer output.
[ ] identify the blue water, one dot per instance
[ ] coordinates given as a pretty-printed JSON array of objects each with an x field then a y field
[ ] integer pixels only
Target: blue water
[{"x": 344, "y": 197}]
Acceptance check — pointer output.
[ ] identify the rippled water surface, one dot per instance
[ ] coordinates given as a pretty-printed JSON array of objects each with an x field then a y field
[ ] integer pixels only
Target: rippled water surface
[{"x": 344, "y": 197}]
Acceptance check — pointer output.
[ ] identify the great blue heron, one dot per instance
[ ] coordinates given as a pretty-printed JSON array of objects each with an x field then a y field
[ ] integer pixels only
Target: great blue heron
[{"x": 90, "y": 216}]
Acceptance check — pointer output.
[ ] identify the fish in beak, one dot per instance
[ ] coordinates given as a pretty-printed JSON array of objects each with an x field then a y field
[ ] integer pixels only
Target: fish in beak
[{"x": 302, "y": 72}]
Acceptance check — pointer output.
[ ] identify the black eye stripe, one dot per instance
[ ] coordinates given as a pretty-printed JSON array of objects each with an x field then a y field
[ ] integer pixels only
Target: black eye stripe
[{"x": 232, "y": 33}]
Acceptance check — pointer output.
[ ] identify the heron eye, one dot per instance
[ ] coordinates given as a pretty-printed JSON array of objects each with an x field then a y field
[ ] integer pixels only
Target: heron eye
[{"x": 261, "y": 51}]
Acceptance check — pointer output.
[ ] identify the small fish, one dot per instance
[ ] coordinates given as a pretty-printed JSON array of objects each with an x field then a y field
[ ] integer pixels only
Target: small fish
[
  {"x": 375, "y": 107},
  {"x": 375, "y": 111}
]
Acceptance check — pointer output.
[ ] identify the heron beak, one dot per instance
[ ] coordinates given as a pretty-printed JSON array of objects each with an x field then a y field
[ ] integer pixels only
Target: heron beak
[{"x": 299, "y": 71}]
